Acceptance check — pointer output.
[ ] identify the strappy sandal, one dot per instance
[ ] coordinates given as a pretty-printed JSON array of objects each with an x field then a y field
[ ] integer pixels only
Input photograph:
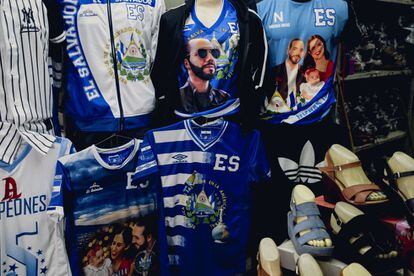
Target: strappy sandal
[
  {"x": 366, "y": 232},
  {"x": 395, "y": 194},
  {"x": 313, "y": 223},
  {"x": 337, "y": 191}
]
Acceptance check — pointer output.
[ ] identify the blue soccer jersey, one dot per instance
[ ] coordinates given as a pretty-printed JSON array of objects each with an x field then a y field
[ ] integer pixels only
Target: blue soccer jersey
[
  {"x": 206, "y": 174},
  {"x": 111, "y": 223},
  {"x": 303, "y": 39},
  {"x": 223, "y": 36}
]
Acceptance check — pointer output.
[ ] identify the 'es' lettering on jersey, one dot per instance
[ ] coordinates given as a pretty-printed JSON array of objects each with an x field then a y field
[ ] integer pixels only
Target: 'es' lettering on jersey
[
  {"x": 324, "y": 17},
  {"x": 131, "y": 186},
  {"x": 135, "y": 12},
  {"x": 224, "y": 163}
]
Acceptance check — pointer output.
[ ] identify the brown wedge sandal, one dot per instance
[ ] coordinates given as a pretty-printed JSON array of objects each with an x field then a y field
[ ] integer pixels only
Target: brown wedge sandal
[{"x": 337, "y": 191}]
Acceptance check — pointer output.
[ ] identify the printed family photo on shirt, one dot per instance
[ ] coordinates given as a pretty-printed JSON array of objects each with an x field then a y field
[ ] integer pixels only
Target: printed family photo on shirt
[
  {"x": 302, "y": 75},
  {"x": 120, "y": 249}
]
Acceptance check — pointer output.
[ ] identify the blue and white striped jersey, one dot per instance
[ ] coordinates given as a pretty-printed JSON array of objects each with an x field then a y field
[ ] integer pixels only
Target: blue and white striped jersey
[{"x": 206, "y": 174}]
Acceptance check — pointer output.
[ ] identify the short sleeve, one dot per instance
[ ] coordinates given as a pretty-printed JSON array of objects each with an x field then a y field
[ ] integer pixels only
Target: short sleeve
[
  {"x": 147, "y": 163},
  {"x": 259, "y": 165},
  {"x": 56, "y": 28},
  {"x": 66, "y": 147},
  {"x": 55, "y": 209}
]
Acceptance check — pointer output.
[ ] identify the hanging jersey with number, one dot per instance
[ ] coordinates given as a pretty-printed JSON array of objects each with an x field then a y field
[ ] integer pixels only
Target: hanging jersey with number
[
  {"x": 222, "y": 35},
  {"x": 93, "y": 190},
  {"x": 290, "y": 29},
  {"x": 31, "y": 243},
  {"x": 92, "y": 100},
  {"x": 206, "y": 175}
]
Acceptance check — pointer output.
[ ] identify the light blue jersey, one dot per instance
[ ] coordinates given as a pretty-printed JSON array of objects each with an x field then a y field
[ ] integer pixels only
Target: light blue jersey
[
  {"x": 303, "y": 39},
  {"x": 206, "y": 188},
  {"x": 284, "y": 20}
]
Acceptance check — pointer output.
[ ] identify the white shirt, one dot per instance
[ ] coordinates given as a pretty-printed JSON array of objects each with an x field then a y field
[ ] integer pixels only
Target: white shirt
[
  {"x": 31, "y": 242},
  {"x": 25, "y": 84}
]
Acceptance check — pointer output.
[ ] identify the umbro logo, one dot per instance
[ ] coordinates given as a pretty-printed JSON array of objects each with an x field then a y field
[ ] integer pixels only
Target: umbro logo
[{"x": 180, "y": 158}]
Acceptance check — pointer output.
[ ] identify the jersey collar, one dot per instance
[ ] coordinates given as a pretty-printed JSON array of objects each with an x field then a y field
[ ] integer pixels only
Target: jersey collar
[
  {"x": 204, "y": 146},
  {"x": 95, "y": 150},
  {"x": 216, "y": 24},
  {"x": 10, "y": 167}
]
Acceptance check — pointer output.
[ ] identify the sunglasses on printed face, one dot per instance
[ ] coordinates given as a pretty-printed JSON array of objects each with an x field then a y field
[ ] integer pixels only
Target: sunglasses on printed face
[{"x": 202, "y": 53}]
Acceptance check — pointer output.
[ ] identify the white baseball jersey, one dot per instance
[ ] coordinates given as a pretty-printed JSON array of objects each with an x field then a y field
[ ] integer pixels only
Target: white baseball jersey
[
  {"x": 25, "y": 85},
  {"x": 31, "y": 243}
]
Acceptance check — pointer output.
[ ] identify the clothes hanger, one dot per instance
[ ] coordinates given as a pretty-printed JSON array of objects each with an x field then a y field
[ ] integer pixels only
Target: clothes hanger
[
  {"x": 114, "y": 140},
  {"x": 202, "y": 120}
]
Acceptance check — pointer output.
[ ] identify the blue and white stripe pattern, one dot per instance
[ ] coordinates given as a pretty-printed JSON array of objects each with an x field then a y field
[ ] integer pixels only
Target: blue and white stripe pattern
[{"x": 193, "y": 161}]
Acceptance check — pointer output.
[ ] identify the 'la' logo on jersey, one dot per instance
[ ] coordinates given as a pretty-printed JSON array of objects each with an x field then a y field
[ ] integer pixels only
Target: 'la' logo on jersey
[
  {"x": 10, "y": 189},
  {"x": 28, "y": 24}
]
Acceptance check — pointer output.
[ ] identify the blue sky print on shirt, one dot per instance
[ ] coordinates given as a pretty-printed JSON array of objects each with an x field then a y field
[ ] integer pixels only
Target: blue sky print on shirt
[{"x": 107, "y": 212}]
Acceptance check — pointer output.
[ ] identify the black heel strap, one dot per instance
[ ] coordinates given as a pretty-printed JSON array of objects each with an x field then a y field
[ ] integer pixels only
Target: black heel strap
[{"x": 402, "y": 174}]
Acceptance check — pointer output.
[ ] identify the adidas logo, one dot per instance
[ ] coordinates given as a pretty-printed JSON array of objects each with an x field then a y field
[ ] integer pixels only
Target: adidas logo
[{"x": 304, "y": 172}]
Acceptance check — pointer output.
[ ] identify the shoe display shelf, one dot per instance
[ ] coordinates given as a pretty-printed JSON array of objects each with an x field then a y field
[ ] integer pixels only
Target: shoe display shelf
[
  {"x": 376, "y": 100},
  {"x": 369, "y": 113},
  {"x": 378, "y": 74}
]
